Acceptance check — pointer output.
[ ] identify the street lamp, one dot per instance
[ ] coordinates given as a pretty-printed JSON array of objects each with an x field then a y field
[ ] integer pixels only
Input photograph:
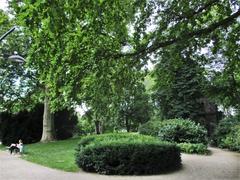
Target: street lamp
[{"x": 16, "y": 58}]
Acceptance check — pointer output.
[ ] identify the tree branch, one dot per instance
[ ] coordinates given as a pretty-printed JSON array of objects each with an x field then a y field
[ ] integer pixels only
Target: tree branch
[{"x": 188, "y": 35}]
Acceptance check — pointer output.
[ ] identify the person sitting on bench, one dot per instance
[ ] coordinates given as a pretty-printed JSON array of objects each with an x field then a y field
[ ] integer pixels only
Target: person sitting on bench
[{"x": 16, "y": 147}]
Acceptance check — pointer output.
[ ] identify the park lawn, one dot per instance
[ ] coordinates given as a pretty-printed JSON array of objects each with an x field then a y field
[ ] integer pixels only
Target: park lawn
[
  {"x": 57, "y": 155},
  {"x": 2, "y": 147}
]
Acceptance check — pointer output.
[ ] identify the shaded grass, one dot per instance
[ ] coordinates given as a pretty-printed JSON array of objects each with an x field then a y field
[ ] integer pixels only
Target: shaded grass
[
  {"x": 57, "y": 155},
  {"x": 2, "y": 147}
]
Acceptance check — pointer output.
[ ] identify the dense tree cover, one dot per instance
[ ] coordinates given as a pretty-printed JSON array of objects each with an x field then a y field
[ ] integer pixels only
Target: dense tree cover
[
  {"x": 81, "y": 37},
  {"x": 179, "y": 83},
  {"x": 225, "y": 82},
  {"x": 134, "y": 109},
  {"x": 28, "y": 125},
  {"x": 127, "y": 112},
  {"x": 89, "y": 51}
]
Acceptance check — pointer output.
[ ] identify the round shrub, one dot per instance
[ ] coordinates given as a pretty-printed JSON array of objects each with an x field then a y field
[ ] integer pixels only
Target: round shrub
[
  {"x": 123, "y": 154},
  {"x": 177, "y": 130},
  {"x": 193, "y": 148},
  {"x": 181, "y": 130}
]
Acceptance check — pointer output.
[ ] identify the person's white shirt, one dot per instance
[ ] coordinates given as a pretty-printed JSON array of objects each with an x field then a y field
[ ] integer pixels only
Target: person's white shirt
[{"x": 20, "y": 147}]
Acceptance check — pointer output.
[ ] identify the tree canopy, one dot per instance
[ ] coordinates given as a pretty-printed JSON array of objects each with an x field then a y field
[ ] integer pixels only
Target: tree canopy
[
  {"x": 96, "y": 52},
  {"x": 73, "y": 41}
]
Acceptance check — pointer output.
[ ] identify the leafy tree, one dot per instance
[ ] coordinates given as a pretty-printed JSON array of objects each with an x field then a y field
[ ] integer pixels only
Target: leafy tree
[
  {"x": 77, "y": 46},
  {"x": 225, "y": 77},
  {"x": 179, "y": 84},
  {"x": 134, "y": 108},
  {"x": 68, "y": 42}
]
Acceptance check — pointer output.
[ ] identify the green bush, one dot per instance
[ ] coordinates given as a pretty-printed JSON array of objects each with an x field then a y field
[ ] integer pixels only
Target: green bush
[
  {"x": 223, "y": 129},
  {"x": 150, "y": 128},
  {"x": 126, "y": 154},
  {"x": 232, "y": 140},
  {"x": 193, "y": 148},
  {"x": 176, "y": 130}
]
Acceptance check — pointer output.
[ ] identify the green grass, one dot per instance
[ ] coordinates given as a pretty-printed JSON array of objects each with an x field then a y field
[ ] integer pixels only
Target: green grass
[
  {"x": 58, "y": 155},
  {"x": 2, "y": 147}
]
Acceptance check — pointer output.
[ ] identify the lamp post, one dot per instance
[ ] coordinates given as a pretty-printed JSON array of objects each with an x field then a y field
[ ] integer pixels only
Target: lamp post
[{"x": 7, "y": 33}]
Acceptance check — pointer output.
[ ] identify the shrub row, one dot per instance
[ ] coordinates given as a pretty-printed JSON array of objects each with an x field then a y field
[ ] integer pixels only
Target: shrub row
[
  {"x": 175, "y": 130},
  {"x": 126, "y": 154}
]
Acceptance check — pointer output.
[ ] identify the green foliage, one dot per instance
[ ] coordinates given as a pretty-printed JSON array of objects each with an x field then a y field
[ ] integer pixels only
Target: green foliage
[
  {"x": 227, "y": 133},
  {"x": 28, "y": 125},
  {"x": 180, "y": 130},
  {"x": 126, "y": 154},
  {"x": 225, "y": 83},
  {"x": 176, "y": 130},
  {"x": 232, "y": 140},
  {"x": 149, "y": 82},
  {"x": 179, "y": 83},
  {"x": 23, "y": 125},
  {"x": 134, "y": 108},
  {"x": 80, "y": 55},
  {"x": 150, "y": 128},
  {"x": 223, "y": 129},
  {"x": 191, "y": 148},
  {"x": 18, "y": 86},
  {"x": 77, "y": 50},
  {"x": 84, "y": 126}
]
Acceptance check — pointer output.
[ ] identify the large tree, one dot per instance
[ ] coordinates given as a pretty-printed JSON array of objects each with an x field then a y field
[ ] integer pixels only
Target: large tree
[
  {"x": 74, "y": 42},
  {"x": 179, "y": 83},
  {"x": 68, "y": 42}
]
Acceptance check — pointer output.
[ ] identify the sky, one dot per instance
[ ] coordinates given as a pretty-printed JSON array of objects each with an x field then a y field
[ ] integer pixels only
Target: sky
[{"x": 3, "y": 4}]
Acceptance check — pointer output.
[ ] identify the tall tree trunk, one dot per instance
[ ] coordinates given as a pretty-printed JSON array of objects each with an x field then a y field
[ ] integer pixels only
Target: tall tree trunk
[
  {"x": 127, "y": 124},
  {"x": 97, "y": 127},
  {"x": 48, "y": 133}
]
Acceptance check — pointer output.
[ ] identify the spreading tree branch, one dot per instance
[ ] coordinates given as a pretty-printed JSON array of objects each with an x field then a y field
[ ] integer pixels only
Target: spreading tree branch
[{"x": 188, "y": 35}]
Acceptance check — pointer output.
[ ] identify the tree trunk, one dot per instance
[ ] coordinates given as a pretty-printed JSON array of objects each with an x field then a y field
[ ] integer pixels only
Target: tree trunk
[
  {"x": 48, "y": 133},
  {"x": 127, "y": 124},
  {"x": 97, "y": 127}
]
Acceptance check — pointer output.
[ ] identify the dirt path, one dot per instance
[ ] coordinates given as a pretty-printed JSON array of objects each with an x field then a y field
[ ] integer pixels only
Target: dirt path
[{"x": 221, "y": 165}]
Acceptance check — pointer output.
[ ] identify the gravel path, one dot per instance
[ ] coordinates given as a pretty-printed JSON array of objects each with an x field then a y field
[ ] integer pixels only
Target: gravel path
[{"x": 221, "y": 165}]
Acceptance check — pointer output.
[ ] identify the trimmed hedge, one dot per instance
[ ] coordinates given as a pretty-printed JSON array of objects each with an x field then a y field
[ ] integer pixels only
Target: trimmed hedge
[
  {"x": 124, "y": 154},
  {"x": 176, "y": 130},
  {"x": 193, "y": 148}
]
